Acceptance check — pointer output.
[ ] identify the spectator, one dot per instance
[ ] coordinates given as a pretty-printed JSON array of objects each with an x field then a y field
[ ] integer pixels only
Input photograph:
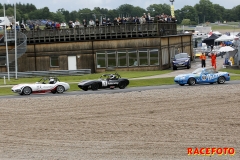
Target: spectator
[
  {"x": 91, "y": 23},
  {"x": 109, "y": 23},
  {"x": 97, "y": 22},
  {"x": 63, "y": 25},
  {"x": 17, "y": 27},
  {"x": 37, "y": 28},
  {"x": 70, "y": 24},
  {"x": 23, "y": 28},
  {"x": 48, "y": 25},
  {"x": 84, "y": 23},
  {"x": 53, "y": 26},
  {"x": 77, "y": 24},
  {"x": 58, "y": 25},
  {"x": 203, "y": 60}
]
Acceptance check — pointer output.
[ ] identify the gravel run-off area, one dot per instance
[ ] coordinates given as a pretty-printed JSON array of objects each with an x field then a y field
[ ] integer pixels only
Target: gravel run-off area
[{"x": 154, "y": 124}]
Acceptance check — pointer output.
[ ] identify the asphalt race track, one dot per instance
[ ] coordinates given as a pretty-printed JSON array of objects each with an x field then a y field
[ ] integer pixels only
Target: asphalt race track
[{"x": 116, "y": 90}]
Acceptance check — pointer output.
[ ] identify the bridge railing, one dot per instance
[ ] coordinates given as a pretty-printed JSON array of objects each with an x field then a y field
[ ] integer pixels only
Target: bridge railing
[{"x": 94, "y": 32}]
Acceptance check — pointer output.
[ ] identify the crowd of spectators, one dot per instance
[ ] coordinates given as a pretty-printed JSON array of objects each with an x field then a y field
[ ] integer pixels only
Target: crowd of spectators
[{"x": 144, "y": 19}]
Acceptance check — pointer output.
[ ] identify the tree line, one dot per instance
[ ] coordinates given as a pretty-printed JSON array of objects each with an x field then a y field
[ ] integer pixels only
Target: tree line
[{"x": 204, "y": 11}]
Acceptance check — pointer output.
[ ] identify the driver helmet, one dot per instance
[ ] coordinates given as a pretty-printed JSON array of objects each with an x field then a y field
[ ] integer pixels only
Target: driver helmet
[
  {"x": 51, "y": 81},
  {"x": 112, "y": 76}
]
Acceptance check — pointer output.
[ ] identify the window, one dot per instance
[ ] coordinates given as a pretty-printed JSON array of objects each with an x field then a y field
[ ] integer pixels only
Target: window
[
  {"x": 111, "y": 58},
  {"x": 101, "y": 59},
  {"x": 132, "y": 58},
  {"x": 153, "y": 57},
  {"x": 143, "y": 57},
  {"x": 2, "y": 60},
  {"x": 181, "y": 55},
  {"x": 54, "y": 62},
  {"x": 122, "y": 58},
  {"x": 164, "y": 56}
]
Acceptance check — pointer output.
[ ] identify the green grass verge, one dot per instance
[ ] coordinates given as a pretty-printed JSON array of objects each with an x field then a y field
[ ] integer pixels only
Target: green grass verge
[
  {"x": 234, "y": 71},
  {"x": 68, "y": 79}
]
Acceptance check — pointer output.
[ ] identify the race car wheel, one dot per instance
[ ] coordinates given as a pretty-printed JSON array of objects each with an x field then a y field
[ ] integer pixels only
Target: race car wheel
[
  {"x": 221, "y": 80},
  {"x": 27, "y": 91},
  {"x": 122, "y": 85},
  {"x": 60, "y": 89},
  {"x": 94, "y": 86},
  {"x": 191, "y": 81},
  {"x": 174, "y": 68},
  {"x": 181, "y": 84},
  {"x": 85, "y": 88}
]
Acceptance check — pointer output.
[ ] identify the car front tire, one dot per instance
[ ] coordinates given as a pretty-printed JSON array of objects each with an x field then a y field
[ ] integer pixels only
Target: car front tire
[
  {"x": 60, "y": 89},
  {"x": 191, "y": 81},
  {"x": 221, "y": 80},
  {"x": 85, "y": 88},
  {"x": 26, "y": 91},
  {"x": 94, "y": 86}
]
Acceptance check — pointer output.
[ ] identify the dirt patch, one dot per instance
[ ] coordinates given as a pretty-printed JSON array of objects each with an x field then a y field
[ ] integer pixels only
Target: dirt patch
[{"x": 156, "y": 124}]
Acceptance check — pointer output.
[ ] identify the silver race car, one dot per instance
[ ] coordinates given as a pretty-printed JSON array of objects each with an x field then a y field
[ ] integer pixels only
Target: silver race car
[{"x": 44, "y": 85}]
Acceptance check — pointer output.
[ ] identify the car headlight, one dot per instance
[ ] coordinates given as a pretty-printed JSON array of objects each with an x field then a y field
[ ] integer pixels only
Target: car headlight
[
  {"x": 174, "y": 61},
  {"x": 182, "y": 77},
  {"x": 186, "y": 61}
]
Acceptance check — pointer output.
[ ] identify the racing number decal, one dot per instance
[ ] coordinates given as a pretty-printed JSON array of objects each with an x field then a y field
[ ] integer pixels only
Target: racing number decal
[
  {"x": 104, "y": 83},
  {"x": 204, "y": 77}
]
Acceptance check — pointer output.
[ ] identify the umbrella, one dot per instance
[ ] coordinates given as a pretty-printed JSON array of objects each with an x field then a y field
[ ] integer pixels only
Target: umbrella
[{"x": 226, "y": 49}]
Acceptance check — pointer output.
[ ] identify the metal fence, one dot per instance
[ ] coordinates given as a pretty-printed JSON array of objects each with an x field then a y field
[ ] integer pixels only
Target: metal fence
[{"x": 47, "y": 73}]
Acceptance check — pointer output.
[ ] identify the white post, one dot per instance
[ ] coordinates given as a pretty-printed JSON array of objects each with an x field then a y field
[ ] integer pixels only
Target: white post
[
  {"x": 4, "y": 80},
  {"x": 6, "y": 42},
  {"x": 16, "y": 64}
]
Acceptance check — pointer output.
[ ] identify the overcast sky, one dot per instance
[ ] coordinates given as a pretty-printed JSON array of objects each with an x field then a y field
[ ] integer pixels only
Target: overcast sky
[{"x": 71, "y": 5}]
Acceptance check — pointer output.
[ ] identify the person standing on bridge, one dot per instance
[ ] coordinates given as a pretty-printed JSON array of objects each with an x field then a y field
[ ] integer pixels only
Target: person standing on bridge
[{"x": 203, "y": 60}]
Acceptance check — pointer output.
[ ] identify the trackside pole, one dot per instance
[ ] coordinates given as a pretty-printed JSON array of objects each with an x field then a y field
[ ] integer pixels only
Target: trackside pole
[{"x": 4, "y": 80}]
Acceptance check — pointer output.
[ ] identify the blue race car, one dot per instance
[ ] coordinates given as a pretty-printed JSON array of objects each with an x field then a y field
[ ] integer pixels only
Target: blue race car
[{"x": 202, "y": 75}]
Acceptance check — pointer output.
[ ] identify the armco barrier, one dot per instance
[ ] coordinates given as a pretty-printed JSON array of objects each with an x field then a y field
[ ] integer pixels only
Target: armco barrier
[{"x": 47, "y": 73}]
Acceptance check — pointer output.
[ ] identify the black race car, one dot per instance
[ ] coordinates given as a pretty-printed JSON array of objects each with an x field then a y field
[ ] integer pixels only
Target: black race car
[{"x": 105, "y": 81}]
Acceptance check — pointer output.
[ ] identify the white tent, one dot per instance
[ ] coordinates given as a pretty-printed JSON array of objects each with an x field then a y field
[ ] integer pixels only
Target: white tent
[
  {"x": 4, "y": 20},
  {"x": 224, "y": 38}
]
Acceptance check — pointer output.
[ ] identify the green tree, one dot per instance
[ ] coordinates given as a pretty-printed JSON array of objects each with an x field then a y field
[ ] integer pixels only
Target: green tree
[
  {"x": 155, "y": 9},
  {"x": 188, "y": 12},
  {"x": 206, "y": 11}
]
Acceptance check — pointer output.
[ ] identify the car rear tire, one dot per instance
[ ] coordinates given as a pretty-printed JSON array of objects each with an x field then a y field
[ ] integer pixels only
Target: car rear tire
[
  {"x": 221, "y": 80},
  {"x": 174, "y": 68},
  {"x": 192, "y": 81},
  {"x": 60, "y": 89},
  {"x": 27, "y": 91},
  {"x": 94, "y": 86},
  {"x": 122, "y": 85},
  {"x": 54, "y": 91}
]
